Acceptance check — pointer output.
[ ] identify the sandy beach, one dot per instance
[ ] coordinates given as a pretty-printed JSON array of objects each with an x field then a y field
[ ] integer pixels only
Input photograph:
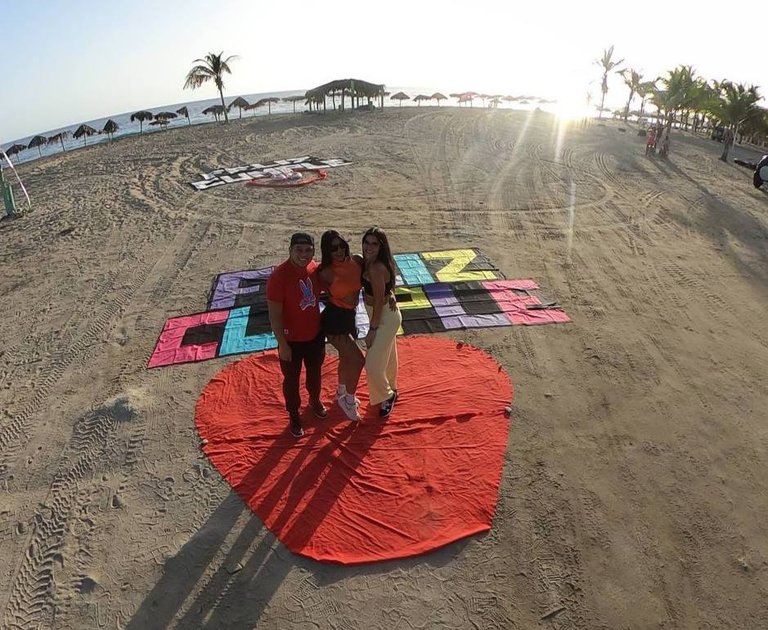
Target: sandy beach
[{"x": 635, "y": 483}]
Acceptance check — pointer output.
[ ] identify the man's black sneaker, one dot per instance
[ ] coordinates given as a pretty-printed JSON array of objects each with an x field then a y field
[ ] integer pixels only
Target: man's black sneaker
[
  {"x": 296, "y": 430},
  {"x": 319, "y": 409}
]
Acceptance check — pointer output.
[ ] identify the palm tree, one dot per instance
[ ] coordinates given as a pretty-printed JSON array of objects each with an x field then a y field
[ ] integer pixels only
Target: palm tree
[
  {"x": 633, "y": 80},
  {"x": 643, "y": 91},
  {"x": 737, "y": 108},
  {"x": 212, "y": 67},
  {"x": 607, "y": 64}
]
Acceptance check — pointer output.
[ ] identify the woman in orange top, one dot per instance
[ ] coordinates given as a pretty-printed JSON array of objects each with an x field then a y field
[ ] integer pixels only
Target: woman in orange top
[{"x": 341, "y": 274}]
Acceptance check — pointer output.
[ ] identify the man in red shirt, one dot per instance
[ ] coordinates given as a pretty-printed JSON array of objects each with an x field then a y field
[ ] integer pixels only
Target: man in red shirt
[{"x": 294, "y": 315}]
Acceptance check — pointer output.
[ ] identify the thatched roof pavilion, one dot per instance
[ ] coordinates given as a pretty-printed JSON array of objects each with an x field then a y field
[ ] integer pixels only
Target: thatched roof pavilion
[{"x": 355, "y": 88}]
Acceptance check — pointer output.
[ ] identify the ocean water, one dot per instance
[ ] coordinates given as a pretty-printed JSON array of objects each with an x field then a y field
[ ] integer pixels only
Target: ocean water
[{"x": 196, "y": 117}]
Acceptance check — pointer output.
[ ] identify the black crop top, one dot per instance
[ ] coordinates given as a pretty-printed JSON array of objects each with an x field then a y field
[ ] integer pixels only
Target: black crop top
[{"x": 368, "y": 289}]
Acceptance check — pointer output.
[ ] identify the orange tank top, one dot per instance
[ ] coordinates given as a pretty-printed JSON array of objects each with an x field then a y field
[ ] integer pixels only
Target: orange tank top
[{"x": 346, "y": 282}]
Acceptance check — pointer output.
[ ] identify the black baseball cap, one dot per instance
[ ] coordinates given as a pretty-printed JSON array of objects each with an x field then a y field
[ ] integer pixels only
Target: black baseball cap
[{"x": 302, "y": 238}]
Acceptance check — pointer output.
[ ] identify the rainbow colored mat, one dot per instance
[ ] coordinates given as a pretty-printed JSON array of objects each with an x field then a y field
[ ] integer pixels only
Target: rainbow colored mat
[{"x": 437, "y": 291}]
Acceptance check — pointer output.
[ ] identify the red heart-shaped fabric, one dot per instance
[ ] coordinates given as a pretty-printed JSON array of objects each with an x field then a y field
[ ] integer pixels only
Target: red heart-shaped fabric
[{"x": 380, "y": 489}]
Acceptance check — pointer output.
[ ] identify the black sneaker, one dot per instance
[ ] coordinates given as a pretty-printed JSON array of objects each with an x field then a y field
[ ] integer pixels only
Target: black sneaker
[
  {"x": 388, "y": 405},
  {"x": 295, "y": 424},
  {"x": 319, "y": 409}
]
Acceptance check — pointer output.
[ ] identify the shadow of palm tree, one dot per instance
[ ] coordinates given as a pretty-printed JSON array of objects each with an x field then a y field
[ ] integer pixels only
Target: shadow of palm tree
[{"x": 722, "y": 222}]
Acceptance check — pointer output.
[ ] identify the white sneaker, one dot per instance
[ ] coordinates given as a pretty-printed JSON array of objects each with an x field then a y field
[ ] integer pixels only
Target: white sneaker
[{"x": 349, "y": 409}]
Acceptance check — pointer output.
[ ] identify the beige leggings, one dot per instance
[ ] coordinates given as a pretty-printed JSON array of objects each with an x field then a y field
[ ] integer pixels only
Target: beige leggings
[{"x": 381, "y": 358}]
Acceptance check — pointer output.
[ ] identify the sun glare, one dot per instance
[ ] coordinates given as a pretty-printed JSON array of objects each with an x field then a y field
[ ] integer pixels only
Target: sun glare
[{"x": 571, "y": 110}]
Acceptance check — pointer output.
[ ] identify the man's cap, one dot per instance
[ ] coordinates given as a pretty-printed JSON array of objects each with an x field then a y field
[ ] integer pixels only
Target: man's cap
[{"x": 302, "y": 238}]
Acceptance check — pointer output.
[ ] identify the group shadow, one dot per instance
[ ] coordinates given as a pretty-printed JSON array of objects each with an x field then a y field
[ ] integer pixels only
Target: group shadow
[{"x": 214, "y": 583}]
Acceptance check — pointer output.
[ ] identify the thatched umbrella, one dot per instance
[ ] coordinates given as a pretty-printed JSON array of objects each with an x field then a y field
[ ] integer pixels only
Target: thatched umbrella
[
  {"x": 110, "y": 128},
  {"x": 268, "y": 102},
  {"x": 183, "y": 111},
  {"x": 83, "y": 131},
  {"x": 38, "y": 141},
  {"x": 59, "y": 137},
  {"x": 421, "y": 97},
  {"x": 437, "y": 96},
  {"x": 294, "y": 99},
  {"x": 400, "y": 96},
  {"x": 216, "y": 110},
  {"x": 141, "y": 117},
  {"x": 240, "y": 103},
  {"x": 166, "y": 115},
  {"x": 467, "y": 98},
  {"x": 14, "y": 149}
]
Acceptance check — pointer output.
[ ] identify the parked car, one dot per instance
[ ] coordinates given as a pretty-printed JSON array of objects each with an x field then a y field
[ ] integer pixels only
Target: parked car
[{"x": 718, "y": 133}]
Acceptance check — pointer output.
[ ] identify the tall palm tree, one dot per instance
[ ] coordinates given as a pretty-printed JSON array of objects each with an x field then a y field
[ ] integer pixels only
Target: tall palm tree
[
  {"x": 633, "y": 80},
  {"x": 737, "y": 107},
  {"x": 212, "y": 67},
  {"x": 607, "y": 64},
  {"x": 644, "y": 90}
]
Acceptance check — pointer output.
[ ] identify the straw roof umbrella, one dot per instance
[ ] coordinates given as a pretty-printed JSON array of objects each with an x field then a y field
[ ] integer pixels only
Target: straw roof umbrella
[
  {"x": 400, "y": 96},
  {"x": 293, "y": 99},
  {"x": 268, "y": 102},
  {"x": 240, "y": 103},
  {"x": 14, "y": 149},
  {"x": 110, "y": 128},
  {"x": 59, "y": 137},
  {"x": 83, "y": 131},
  {"x": 38, "y": 141},
  {"x": 437, "y": 96},
  {"x": 164, "y": 118},
  {"x": 141, "y": 117},
  {"x": 216, "y": 110},
  {"x": 421, "y": 97},
  {"x": 183, "y": 111}
]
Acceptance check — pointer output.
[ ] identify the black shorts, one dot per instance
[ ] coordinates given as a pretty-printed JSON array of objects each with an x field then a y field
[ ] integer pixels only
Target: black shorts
[{"x": 338, "y": 321}]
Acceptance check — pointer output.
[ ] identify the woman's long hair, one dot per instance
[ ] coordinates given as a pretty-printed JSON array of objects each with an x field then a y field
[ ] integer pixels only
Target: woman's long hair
[
  {"x": 326, "y": 241},
  {"x": 385, "y": 253}
]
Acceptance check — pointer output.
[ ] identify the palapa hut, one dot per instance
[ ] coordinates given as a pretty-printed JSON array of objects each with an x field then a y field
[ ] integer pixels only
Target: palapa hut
[
  {"x": 355, "y": 88},
  {"x": 266, "y": 101},
  {"x": 59, "y": 137},
  {"x": 294, "y": 98},
  {"x": 400, "y": 96},
  {"x": 141, "y": 117},
  {"x": 183, "y": 111},
  {"x": 240, "y": 103},
  {"x": 438, "y": 96},
  {"x": 216, "y": 110},
  {"x": 15, "y": 149},
  {"x": 83, "y": 131},
  {"x": 110, "y": 128},
  {"x": 38, "y": 141}
]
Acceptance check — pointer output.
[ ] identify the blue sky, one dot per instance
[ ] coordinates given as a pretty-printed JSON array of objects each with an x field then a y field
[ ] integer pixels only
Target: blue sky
[{"x": 66, "y": 62}]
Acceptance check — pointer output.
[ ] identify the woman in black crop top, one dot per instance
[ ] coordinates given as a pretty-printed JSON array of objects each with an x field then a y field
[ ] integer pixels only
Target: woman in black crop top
[{"x": 378, "y": 282}]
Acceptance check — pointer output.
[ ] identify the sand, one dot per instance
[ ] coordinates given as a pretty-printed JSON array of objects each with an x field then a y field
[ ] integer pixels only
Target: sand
[{"x": 635, "y": 486}]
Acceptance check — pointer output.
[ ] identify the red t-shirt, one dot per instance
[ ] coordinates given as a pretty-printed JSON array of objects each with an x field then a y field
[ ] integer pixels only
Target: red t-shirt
[{"x": 297, "y": 288}]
